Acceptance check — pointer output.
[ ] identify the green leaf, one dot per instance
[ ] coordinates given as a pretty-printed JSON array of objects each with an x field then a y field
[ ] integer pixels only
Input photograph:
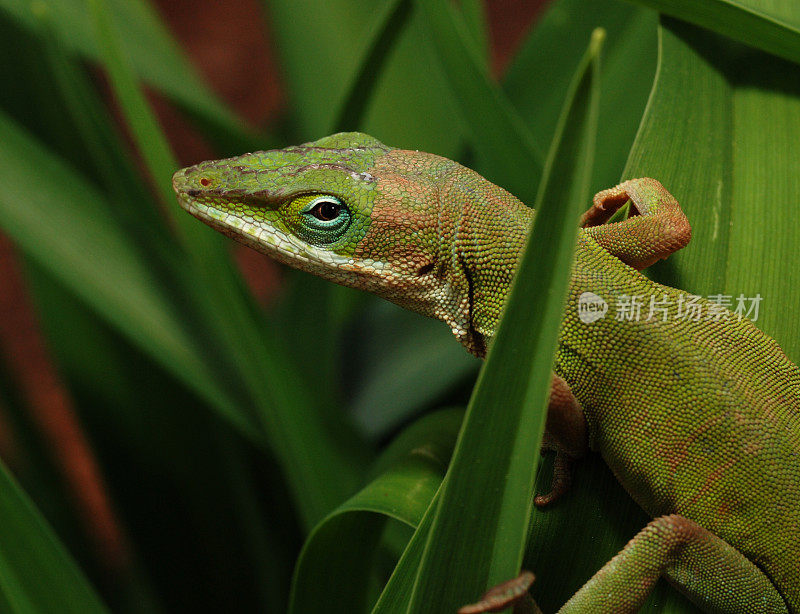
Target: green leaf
[
  {"x": 287, "y": 415},
  {"x": 571, "y": 540},
  {"x": 509, "y": 154},
  {"x": 770, "y": 25},
  {"x": 323, "y": 46},
  {"x": 538, "y": 78},
  {"x": 730, "y": 157},
  {"x": 721, "y": 132},
  {"x": 147, "y": 43},
  {"x": 336, "y": 564},
  {"x": 394, "y": 374},
  {"x": 493, "y": 466},
  {"x": 31, "y": 557}
]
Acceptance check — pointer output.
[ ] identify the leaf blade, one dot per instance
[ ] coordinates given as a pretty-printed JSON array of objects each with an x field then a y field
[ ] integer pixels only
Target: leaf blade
[
  {"x": 488, "y": 543},
  {"x": 331, "y": 567},
  {"x": 284, "y": 409},
  {"x": 773, "y": 26},
  {"x": 147, "y": 43},
  {"x": 740, "y": 155},
  {"x": 31, "y": 556},
  {"x": 509, "y": 154}
]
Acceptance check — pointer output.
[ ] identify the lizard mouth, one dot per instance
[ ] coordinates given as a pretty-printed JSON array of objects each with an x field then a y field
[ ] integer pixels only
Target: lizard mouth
[
  {"x": 288, "y": 249},
  {"x": 185, "y": 201}
]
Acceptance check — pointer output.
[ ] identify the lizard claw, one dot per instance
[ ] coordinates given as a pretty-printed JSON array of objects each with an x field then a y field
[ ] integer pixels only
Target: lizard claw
[{"x": 513, "y": 592}]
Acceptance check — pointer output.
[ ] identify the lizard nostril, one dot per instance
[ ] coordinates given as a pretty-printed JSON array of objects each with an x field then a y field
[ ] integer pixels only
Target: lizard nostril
[{"x": 204, "y": 181}]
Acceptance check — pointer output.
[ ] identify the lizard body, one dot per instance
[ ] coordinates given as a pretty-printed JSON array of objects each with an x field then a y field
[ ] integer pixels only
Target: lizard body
[{"x": 698, "y": 419}]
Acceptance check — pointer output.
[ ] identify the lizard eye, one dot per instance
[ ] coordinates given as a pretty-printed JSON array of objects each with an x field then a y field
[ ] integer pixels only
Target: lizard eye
[
  {"x": 326, "y": 218},
  {"x": 326, "y": 209}
]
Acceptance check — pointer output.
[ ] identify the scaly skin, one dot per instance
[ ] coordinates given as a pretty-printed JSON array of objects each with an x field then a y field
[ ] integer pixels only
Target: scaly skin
[{"x": 699, "y": 420}]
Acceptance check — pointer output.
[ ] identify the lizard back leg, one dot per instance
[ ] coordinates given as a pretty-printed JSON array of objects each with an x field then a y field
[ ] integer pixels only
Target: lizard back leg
[
  {"x": 566, "y": 435},
  {"x": 707, "y": 569},
  {"x": 657, "y": 226}
]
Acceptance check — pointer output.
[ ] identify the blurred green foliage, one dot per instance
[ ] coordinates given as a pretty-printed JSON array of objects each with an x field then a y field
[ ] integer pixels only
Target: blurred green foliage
[{"x": 230, "y": 436}]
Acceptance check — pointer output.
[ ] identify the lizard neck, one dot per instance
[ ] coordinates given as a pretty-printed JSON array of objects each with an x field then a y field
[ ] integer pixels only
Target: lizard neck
[{"x": 484, "y": 229}]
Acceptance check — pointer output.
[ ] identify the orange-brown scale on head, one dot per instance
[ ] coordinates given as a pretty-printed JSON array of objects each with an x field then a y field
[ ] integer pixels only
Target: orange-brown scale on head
[{"x": 403, "y": 242}]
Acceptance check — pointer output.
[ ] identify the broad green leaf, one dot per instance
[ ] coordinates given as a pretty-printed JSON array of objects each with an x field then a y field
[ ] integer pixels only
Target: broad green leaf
[
  {"x": 395, "y": 376},
  {"x": 572, "y": 539},
  {"x": 493, "y": 467},
  {"x": 538, "y": 77},
  {"x": 336, "y": 563},
  {"x": 770, "y": 25},
  {"x": 31, "y": 558},
  {"x": 147, "y": 43},
  {"x": 388, "y": 23},
  {"x": 730, "y": 157},
  {"x": 323, "y": 46},
  {"x": 510, "y": 156}
]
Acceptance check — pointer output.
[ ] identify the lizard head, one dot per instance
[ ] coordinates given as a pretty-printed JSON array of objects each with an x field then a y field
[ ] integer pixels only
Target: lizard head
[{"x": 347, "y": 208}]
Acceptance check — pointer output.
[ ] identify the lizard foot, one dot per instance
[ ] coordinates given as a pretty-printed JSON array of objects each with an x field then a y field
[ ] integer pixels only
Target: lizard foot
[
  {"x": 562, "y": 480},
  {"x": 514, "y": 592}
]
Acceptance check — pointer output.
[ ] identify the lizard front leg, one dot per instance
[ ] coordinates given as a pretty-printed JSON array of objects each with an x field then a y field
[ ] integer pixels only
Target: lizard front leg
[
  {"x": 657, "y": 228},
  {"x": 565, "y": 434},
  {"x": 707, "y": 569}
]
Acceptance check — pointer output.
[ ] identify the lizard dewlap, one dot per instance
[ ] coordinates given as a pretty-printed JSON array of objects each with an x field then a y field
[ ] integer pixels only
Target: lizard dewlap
[{"x": 698, "y": 418}]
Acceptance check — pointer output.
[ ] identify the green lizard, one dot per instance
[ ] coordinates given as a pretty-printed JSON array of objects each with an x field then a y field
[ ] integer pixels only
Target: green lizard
[{"x": 698, "y": 419}]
